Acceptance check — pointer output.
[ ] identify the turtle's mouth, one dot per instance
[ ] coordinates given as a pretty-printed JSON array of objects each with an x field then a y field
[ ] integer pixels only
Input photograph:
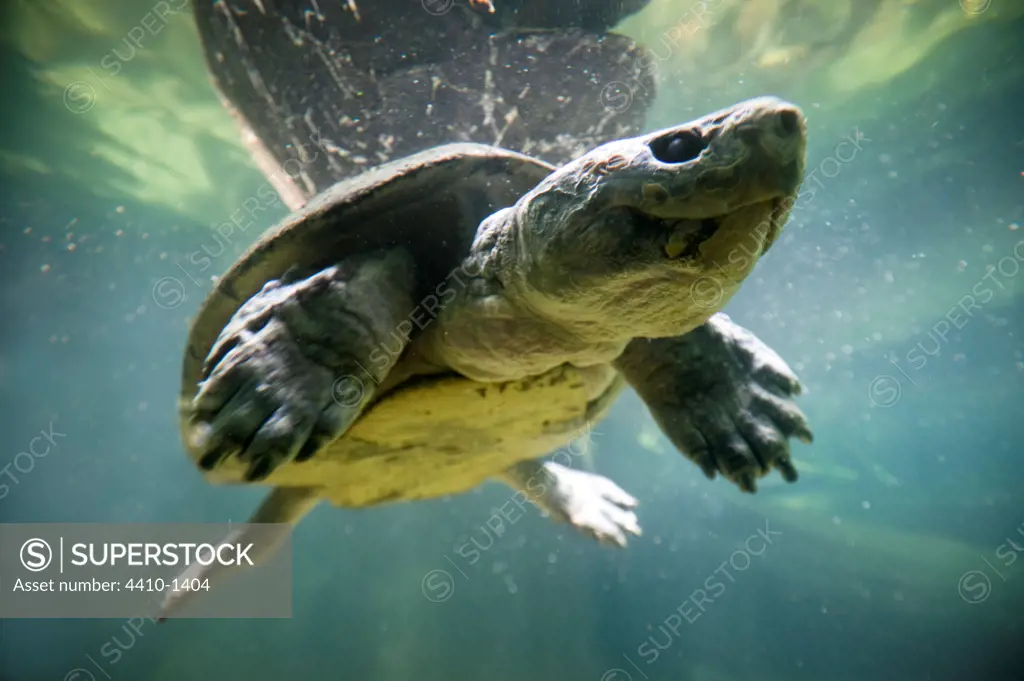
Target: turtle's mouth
[
  {"x": 686, "y": 236},
  {"x": 683, "y": 238}
]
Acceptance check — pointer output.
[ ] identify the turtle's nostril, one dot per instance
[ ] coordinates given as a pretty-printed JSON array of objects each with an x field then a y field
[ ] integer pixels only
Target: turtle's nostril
[
  {"x": 789, "y": 122},
  {"x": 678, "y": 147}
]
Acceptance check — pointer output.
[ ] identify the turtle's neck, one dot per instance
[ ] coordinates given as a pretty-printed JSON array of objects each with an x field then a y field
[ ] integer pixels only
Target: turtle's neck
[{"x": 492, "y": 331}]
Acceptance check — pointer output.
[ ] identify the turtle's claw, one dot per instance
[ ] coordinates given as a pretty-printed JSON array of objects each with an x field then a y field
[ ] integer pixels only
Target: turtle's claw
[
  {"x": 591, "y": 503},
  {"x": 724, "y": 399},
  {"x": 265, "y": 403}
]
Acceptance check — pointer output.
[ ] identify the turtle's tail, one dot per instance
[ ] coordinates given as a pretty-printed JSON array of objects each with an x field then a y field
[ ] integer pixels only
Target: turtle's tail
[
  {"x": 280, "y": 511},
  {"x": 286, "y": 506}
]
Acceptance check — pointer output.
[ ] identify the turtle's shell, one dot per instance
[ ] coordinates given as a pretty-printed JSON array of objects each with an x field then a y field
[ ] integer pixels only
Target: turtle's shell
[{"x": 433, "y": 436}]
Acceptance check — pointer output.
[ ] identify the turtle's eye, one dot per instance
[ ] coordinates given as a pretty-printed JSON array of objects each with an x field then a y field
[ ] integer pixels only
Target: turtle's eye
[{"x": 679, "y": 147}]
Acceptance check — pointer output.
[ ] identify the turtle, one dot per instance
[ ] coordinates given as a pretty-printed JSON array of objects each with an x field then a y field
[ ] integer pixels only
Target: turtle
[{"x": 454, "y": 316}]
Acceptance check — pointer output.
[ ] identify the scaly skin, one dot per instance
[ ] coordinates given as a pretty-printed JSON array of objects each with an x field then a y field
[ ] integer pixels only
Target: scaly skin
[
  {"x": 608, "y": 247},
  {"x": 622, "y": 244}
]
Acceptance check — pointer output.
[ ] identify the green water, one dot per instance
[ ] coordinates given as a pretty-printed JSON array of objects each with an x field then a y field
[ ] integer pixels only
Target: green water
[{"x": 896, "y": 556}]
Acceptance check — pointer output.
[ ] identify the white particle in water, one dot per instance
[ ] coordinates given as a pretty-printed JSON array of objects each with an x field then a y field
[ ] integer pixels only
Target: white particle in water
[{"x": 865, "y": 505}]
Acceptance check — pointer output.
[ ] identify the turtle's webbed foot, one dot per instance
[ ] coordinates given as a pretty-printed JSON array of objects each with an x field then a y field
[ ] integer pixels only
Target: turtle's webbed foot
[
  {"x": 591, "y": 503},
  {"x": 724, "y": 399},
  {"x": 269, "y": 391},
  {"x": 286, "y": 374}
]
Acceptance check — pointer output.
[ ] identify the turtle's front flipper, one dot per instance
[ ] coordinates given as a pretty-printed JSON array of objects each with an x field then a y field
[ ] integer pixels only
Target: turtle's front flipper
[
  {"x": 283, "y": 508},
  {"x": 591, "y": 503},
  {"x": 300, "y": 360},
  {"x": 723, "y": 398}
]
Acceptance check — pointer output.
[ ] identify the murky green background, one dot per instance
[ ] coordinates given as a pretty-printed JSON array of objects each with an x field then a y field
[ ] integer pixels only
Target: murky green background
[{"x": 900, "y": 548}]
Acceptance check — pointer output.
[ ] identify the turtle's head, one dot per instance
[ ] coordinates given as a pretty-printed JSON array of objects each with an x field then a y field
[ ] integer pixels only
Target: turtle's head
[{"x": 653, "y": 234}]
